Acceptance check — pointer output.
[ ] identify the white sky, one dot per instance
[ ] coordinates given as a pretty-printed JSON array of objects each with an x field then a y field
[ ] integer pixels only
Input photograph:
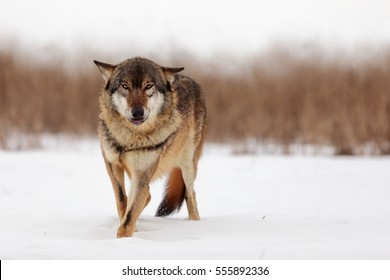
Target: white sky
[{"x": 199, "y": 26}]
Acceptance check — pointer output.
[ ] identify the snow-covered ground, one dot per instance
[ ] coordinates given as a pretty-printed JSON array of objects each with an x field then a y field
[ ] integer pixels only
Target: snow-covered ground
[{"x": 57, "y": 203}]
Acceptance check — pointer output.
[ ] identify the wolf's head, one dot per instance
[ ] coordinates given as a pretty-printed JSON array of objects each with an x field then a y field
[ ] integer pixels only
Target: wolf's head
[{"x": 137, "y": 87}]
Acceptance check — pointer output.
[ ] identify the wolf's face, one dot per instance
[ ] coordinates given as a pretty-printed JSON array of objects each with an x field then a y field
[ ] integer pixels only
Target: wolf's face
[{"x": 137, "y": 87}]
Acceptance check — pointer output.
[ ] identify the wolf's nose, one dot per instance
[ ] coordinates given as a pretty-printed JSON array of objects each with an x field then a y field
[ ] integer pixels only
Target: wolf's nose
[{"x": 137, "y": 112}]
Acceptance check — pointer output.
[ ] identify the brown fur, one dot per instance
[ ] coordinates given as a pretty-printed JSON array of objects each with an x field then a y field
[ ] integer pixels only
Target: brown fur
[
  {"x": 174, "y": 194},
  {"x": 167, "y": 138}
]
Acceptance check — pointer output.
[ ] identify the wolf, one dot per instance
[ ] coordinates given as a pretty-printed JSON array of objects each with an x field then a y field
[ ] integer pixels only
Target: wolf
[{"x": 152, "y": 123}]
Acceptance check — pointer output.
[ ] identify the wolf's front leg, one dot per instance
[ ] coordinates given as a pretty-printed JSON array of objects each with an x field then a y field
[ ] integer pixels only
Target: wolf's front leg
[
  {"x": 116, "y": 173},
  {"x": 137, "y": 201},
  {"x": 140, "y": 169}
]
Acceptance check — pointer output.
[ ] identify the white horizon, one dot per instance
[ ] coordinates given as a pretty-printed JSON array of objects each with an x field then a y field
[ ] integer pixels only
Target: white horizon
[{"x": 202, "y": 28}]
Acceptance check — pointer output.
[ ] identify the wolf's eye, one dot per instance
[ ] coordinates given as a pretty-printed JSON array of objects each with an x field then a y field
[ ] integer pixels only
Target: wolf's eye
[
  {"x": 148, "y": 86},
  {"x": 125, "y": 86}
]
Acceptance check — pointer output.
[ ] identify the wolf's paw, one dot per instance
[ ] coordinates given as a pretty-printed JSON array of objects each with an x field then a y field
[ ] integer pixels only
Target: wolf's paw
[
  {"x": 194, "y": 217},
  {"x": 124, "y": 232}
]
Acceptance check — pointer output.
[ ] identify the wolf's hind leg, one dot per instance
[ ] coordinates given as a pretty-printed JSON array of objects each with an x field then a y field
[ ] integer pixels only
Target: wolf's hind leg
[
  {"x": 189, "y": 174},
  {"x": 190, "y": 170}
]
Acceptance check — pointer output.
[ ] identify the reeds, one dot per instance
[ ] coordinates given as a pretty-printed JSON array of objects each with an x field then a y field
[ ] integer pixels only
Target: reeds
[{"x": 278, "y": 98}]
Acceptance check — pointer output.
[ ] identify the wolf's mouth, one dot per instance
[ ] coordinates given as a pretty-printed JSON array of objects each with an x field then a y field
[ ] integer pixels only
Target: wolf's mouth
[
  {"x": 137, "y": 121},
  {"x": 137, "y": 116}
]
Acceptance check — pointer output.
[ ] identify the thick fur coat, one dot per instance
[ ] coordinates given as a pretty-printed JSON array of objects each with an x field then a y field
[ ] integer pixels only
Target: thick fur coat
[{"x": 152, "y": 123}]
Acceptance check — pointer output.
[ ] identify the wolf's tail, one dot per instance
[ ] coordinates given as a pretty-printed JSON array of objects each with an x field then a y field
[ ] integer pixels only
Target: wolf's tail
[{"x": 174, "y": 194}]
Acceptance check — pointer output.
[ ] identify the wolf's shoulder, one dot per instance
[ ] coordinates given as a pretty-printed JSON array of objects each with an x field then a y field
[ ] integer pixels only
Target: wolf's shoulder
[{"x": 184, "y": 83}]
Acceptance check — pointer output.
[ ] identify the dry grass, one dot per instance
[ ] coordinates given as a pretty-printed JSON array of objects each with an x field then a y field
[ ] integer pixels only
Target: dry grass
[
  {"x": 279, "y": 98},
  {"x": 37, "y": 98}
]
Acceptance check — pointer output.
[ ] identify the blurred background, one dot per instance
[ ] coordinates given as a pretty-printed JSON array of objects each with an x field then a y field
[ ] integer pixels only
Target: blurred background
[{"x": 286, "y": 73}]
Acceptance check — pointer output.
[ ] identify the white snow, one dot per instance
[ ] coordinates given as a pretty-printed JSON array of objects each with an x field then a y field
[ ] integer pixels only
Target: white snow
[{"x": 57, "y": 203}]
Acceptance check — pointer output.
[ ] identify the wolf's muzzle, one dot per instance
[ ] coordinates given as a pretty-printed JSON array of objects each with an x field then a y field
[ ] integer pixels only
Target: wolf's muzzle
[
  {"x": 138, "y": 113},
  {"x": 137, "y": 116}
]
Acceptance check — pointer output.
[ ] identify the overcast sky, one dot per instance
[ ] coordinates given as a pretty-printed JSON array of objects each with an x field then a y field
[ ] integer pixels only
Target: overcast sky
[{"x": 199, "y": 26}]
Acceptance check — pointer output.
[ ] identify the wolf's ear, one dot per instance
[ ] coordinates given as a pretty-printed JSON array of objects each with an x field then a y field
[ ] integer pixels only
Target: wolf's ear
[
  {"x": 105, "y": 69},
  {"x": 170, "y": 72}
]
